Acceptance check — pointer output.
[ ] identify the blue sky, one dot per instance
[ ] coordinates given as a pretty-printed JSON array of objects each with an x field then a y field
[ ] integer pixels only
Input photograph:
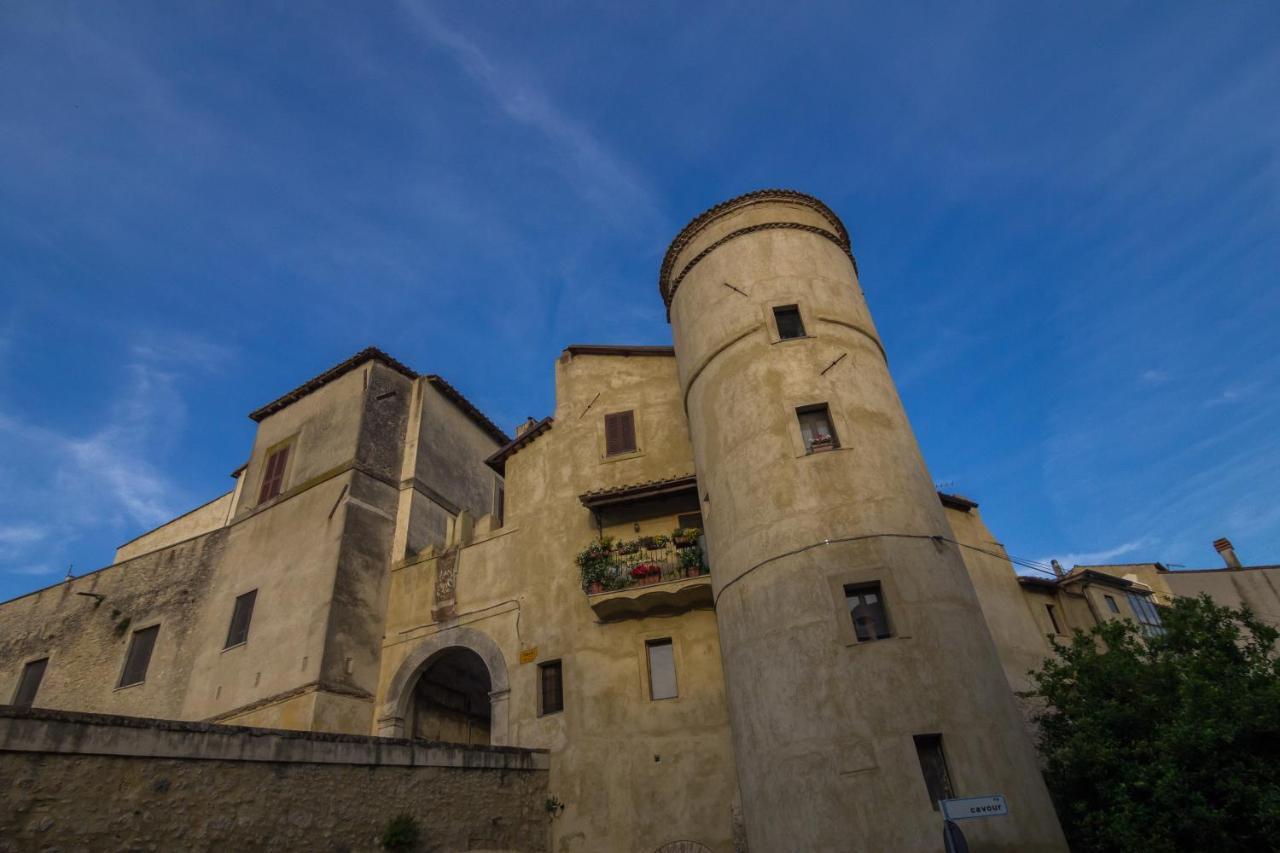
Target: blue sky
[{"x": 1066, "y": 218}]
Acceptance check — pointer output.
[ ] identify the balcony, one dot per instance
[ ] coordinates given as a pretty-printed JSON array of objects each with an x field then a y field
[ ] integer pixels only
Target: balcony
[{"x": 650, "y": 575}]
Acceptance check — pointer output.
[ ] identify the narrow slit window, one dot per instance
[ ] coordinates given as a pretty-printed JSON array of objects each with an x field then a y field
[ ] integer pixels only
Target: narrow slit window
[
  {"x": 866, "y": 609},
  {"x": 141, "y": 645},
  {"x": 241, "y": 616},
  {"x": 662, "y": 669},
  {"x": 29, "y": 684},
  {"x": 1053, "y": 618},
  {"x": 499, "y": 502},
  {"x": 273, "y": 474},
  {"x": 1111, "y": 604},
  {"x": 816, "y": 429},
  {"x": 933, "y": 765},
  {"x": 619, "y": 433},
  {"x": 551, "y": 678},
  {"x": 790, "y": 325}
]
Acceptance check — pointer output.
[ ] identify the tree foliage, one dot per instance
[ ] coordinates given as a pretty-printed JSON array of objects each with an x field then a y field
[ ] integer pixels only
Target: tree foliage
[{"x": 1168, "y": 742}]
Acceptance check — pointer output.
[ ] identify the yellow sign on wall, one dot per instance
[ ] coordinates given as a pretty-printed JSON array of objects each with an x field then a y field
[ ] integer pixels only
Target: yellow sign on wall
[{"x": 529, "y": 655}]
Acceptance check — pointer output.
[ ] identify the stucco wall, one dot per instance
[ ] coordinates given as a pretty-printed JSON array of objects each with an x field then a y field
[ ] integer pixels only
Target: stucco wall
[
  {"x": 634, "y": 774},
  {"x": 202, "y": 519},
  {"x": 1257, "y": 587},
  {"x": 84, "y": 627},
  {"x": 214, "y": 788}
]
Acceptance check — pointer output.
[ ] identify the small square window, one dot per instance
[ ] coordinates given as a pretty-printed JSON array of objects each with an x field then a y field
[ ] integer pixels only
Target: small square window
[
  {"x": 866, "y": 609},
  {"x": 29, "y": 684},
  {"x": 551, "y": 688},
  {"x": 141, "y": 645},
  {"x": 933, "y": 765},
  {"x": 816, "y": 429},
  {"x": 241, "y": 616},
  {"x": 273, "y": 474},
  {"x": 619, "y": 433},
  {"x": 1111, "y": 604},
  {"x": 690, "y": 520},
  {"x": 662, "y": 669},
  {"x": 790, "y": 325}
]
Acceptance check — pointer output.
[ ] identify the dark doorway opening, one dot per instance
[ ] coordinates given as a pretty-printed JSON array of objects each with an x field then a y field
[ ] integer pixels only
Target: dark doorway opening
[{"x": 451, "y": 699}]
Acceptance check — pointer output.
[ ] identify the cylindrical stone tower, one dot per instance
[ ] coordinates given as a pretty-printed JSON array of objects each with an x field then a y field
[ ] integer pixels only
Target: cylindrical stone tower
[{"x": 862, "y": 680}]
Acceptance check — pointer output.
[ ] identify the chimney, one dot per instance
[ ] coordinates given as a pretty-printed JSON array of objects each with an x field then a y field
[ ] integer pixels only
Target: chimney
[
  {"x": 1057, "y": 569},
  {"x": 524, "y": 427},
  {"x": 1228, "y": 553}
]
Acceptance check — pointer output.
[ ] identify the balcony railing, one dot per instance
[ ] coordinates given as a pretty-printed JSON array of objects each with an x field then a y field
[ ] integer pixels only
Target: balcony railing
[{"x": 609, "y": 566}]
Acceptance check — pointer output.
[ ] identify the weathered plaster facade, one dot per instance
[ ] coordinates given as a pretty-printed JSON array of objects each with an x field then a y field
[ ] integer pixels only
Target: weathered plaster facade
[{"x": 415, "y": 576}]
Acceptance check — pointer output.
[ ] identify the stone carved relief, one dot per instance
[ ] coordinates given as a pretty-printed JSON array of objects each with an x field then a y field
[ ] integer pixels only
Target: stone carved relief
[
  {"x": 446, "y": 581},
  {"x": 683, "y": 847}
]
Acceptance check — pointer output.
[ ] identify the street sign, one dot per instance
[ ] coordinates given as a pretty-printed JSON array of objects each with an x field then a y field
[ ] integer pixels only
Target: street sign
[{"x": 968, "y": 808}]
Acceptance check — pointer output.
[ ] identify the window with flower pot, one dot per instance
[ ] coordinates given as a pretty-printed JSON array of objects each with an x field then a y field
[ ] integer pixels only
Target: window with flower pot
[
  {"x": 551, "y": 688},
  {"x": 866, "y": 608},
  {"x": 816, "y": 428},
  {"x": 662, "y": 669}
]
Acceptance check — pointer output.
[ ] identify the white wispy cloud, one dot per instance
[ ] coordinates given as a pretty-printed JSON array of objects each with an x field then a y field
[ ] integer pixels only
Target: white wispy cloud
[
  {"x": 57, "y": 483},
  {"x": 1095, "y": 558},
  {"x": 594, "y": 171}
]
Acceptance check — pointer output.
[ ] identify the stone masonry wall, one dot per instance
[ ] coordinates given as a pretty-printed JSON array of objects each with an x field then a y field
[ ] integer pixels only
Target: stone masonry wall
[{"x": 87, "y": 782}]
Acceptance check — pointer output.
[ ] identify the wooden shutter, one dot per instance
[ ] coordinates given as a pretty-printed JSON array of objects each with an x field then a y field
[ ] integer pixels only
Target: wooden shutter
[
  {"x": 552, "y": 687},
  {"x": 240, "y": 618},
  {"x": 139, "y": 657},
  {"x": 32, "y": 674},
  {"x": 619, "y": 433},
  {"x": 273, "y": 476}
]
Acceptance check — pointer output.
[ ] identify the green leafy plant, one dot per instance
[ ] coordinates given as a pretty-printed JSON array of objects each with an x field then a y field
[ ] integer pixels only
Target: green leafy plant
[
  {"x": 683, "y": 537},
  {"x": 593, "y": 560},
  {"x": 691, "y": 558},
  {"x": 402, "y": 832},
  {"x": 554, "y": 806},
  {"x": 653, "y": 543},
  {"x": 1165, "y": 742}
]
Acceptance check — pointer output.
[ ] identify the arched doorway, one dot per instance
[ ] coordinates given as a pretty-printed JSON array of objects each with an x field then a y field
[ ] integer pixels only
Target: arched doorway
[
  {"x": 451, "y": 699},
  {"x": 395, "y": 717}
]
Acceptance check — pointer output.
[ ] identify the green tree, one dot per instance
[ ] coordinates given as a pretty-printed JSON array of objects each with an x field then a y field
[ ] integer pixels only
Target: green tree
[{"x": 1168, "y": 742}]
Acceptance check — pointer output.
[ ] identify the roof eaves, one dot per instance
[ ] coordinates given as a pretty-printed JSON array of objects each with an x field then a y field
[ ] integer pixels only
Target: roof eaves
[
  {"x": 619, "y": 349},
  {"x": 335, "y": 372},
  {"x": 498, "y": 461},
  {"x": 959, "y": 502},
  {"x": 468, "y": 408},
  {"x": 639, "y": 491}
]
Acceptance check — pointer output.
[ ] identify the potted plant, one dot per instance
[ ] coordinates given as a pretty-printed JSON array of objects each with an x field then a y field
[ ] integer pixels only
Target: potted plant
[
  {"x": 593, "y": 560},
  {"x": 821, "y": 441},
  {"x": 644, "y": 574},
  {"x": 654, "y": 543},
  {"x": 691, "y": 562},
  {"x": 685, "y": 537},
  {"x": 627, "y": 546}
]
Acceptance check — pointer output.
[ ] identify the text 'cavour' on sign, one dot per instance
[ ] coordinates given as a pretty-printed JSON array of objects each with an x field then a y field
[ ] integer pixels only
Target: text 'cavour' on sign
[{"x": 968, "y": 808}]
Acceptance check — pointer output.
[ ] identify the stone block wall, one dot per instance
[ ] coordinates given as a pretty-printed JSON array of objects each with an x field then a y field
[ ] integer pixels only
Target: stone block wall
[{"x": 88, "y": 782}]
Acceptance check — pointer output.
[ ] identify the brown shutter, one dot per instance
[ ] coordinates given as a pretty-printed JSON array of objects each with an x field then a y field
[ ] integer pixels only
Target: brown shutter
[
  {"x": 619, "y": 433},
  {"x": 240, "y": 618},
  {"x": 139, "y": 657}
]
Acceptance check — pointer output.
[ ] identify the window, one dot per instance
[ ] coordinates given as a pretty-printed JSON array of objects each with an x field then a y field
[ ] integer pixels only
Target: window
[
  {"x": 1111, "y": 604},
  {"x": 29, "y": 684},
  {"x": 689, "y": 520},
  {"x": 789, "y": 323},
  {"x": 499, "y": 502},
  {"x": 866, "y": 609},
  {"x": 551, "y": 681},
  {"x": 1148, "y": 616},
  {"x": 933, "y": 764},
  {"x": 136, "y": 661},
  {"x": 273, "y": 475},
  {"x": 815, "y": 428},
  {"x": 662, "y": 669},
  {"x": 619, "y": 433},
  {"x": 1053, "y": 618},
  {"x": 240, "y": 618}
]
